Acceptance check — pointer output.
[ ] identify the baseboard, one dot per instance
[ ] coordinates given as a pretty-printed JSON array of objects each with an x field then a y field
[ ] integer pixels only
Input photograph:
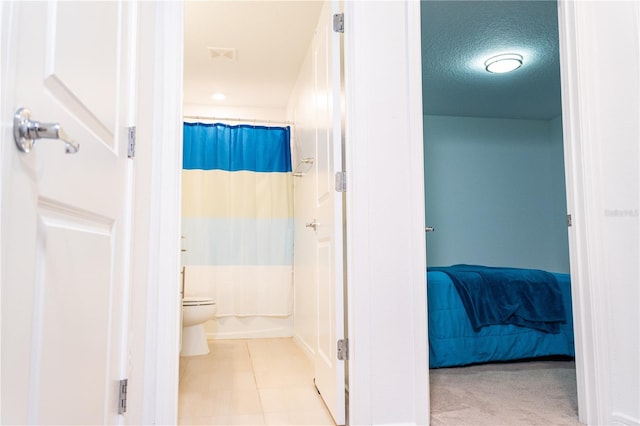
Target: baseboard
[
  {"x": 624, "y": 420},
  {"x": 249, "y": 328},
  {"x": 306, "y": 348}
]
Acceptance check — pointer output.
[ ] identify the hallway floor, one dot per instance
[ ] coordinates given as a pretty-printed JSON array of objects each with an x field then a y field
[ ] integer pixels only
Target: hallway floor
[{"x": 250, "y": 382}]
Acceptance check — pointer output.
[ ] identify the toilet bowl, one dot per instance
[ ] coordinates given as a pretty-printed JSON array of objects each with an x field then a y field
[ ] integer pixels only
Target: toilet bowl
[{"x": 195, "y": 312}]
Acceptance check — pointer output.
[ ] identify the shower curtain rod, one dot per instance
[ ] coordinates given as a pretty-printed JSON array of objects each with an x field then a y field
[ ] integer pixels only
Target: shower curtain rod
[{"x": 245, "y": 120}]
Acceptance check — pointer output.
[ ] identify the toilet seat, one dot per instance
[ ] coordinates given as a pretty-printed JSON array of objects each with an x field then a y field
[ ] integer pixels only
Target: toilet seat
[{"x": 197, "y": 301}]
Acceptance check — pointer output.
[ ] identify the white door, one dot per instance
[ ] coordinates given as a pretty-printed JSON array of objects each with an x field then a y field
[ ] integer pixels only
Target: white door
[
  {"x": 66, "y": 217},
  {"x": 329, "y": 371}
]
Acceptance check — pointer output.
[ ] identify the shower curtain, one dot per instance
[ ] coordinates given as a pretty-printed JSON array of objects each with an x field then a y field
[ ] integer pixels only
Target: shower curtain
[{"x": 237, "y": 216}]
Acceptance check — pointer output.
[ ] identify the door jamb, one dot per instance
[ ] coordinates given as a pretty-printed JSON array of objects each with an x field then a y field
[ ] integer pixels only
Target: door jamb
[
  {"x": 589, "y": 299},
  {"x": 161, "y": 138}
]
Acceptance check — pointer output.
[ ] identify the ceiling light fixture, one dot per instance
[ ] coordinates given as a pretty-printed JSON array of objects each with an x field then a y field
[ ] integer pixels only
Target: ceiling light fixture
[
  {"x": 503, "y": 63},
  {"x": 218, "y": 97}
]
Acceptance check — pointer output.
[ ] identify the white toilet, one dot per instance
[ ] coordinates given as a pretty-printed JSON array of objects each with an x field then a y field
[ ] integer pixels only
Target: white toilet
[{"x": 195, "y": 312}]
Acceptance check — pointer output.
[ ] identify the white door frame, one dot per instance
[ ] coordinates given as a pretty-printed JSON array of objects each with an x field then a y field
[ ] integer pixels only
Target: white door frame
[
  {"x": 590, "y": 295},
  {"x": 163, "y": 307},
  {"x": 581, "y": 269},
  {"x": 386, "y": 252},
  {"x": 164, "y": 317},
  {"x": 156, "y": 304}
]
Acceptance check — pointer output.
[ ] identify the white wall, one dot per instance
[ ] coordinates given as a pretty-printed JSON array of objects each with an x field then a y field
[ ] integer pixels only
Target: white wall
[
  {"x": 601, "y": 104},
  {"x": 300, "y": 110},
  {"x": 154, "y": 334},
  {"x": 222, "y": 111},
  {"x": 388, "y": 362}
]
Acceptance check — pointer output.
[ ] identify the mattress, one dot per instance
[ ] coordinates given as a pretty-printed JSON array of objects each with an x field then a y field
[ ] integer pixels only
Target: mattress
[{"x": 453, "y": 342}]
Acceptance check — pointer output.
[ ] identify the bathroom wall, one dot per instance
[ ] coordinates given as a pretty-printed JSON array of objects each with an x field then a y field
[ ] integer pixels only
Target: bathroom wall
[
  {"x": 274, "y": 114},
  {"x": 305, "y": 302},
  {"x": 495, "y": 192},
  {"x": 199, "y": 280}
]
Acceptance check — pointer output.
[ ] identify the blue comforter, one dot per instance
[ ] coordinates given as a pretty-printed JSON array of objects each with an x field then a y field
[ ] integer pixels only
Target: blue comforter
[{"x": 523, "y": 297}]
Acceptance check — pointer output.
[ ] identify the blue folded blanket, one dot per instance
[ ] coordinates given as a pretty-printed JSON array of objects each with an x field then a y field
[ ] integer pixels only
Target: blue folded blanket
[{"x": 524, "y": 297}]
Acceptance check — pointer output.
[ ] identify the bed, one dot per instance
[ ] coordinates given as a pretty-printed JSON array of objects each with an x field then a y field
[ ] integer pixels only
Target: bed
[{"x": 454, "y": 341}]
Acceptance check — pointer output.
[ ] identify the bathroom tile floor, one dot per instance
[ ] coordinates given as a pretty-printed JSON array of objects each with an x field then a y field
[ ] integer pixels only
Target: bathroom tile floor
[{"x": 250, "y": 382}]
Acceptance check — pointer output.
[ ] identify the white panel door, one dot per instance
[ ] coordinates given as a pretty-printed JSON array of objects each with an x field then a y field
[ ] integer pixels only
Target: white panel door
[
  {"x": 66, "y": 217},
  {"x": 329, "y": 371}
]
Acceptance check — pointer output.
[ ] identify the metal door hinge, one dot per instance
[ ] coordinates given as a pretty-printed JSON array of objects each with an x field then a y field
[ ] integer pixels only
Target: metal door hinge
[
  {"x": 341, "y": 181},
  {"x": 569, "y": 223},
  {"x": 131, "y": 142},
  {"x": 338, "y": 23},
  {"x": 122, "y": 396},
  {"x": 343, "y": 349}
]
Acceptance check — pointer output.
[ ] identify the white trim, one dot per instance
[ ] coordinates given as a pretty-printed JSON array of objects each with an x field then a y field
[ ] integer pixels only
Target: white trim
[
  {"x": 590, "y": 304},
  {"x": 624, "y": 420},
  {"x": 304, "y": 347},
  {"x": 360, "y": 384},
  {"x": 256, "y": 327},
  {"x": 163, "y": 292},
  {"x": 5, "y": 24},
  {"x": 382, "y": 207},
  {"x": 419, "y": 256}
]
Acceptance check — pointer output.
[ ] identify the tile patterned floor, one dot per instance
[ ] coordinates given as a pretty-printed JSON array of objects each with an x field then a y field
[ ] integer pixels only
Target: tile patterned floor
[{"x": 250, "y": 382}]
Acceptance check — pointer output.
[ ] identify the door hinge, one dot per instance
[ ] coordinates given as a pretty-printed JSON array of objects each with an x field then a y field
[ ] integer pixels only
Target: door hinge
[
  {"x": 338, "y": 22},
  {"x": 341, "y": 181},
  {"x": 569, "y": 223},
  {"x": 343, "y": 349},
  {"x": 131, "y": 142},
  {"x": 122, "y": 396}
]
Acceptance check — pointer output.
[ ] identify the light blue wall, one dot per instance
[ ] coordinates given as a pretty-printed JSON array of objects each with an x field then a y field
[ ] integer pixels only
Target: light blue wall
[{"x": 495, "y": 192}]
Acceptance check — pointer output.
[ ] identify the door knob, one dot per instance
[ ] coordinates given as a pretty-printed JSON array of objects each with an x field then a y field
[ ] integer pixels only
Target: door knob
[
  {"x": 27, "y": 131},
  {"x": 313, "y": 225},
  {"x": 429, "y": 229}
]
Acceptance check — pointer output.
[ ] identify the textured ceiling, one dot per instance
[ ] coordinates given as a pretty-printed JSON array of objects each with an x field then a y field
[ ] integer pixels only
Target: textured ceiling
[
  {"x": 458, "y": 36},
  {"x": 271, "y": 38}
]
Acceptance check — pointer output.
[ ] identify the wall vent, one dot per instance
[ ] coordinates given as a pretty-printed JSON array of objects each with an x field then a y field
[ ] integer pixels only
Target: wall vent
[{"x": 224, "y": 53}]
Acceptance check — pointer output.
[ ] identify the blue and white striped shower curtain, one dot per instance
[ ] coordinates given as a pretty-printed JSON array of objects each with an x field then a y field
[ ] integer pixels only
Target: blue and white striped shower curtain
[{"x": 237, "y": 216}]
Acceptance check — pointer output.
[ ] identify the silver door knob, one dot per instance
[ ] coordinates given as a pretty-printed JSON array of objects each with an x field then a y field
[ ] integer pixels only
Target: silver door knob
[
  {"x": 313, "y": 225},
  {"x": 27, "y": 131},
  {"x": 429, "y": 229}
]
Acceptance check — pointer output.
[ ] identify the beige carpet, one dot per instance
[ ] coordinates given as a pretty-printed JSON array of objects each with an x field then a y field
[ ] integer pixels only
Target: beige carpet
[{"x": 523, "y": 393}]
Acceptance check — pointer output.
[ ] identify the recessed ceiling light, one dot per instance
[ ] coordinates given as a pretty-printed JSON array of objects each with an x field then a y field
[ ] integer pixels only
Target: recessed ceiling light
[
  {"x": 218, "y": 97},
  {"x": 503, "y": 63}
]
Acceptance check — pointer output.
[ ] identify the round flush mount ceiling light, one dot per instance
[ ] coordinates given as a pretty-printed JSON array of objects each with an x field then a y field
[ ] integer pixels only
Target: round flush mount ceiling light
[
  {"x": 218, "y": 97},
  {"x": 503, "y": 63}
]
